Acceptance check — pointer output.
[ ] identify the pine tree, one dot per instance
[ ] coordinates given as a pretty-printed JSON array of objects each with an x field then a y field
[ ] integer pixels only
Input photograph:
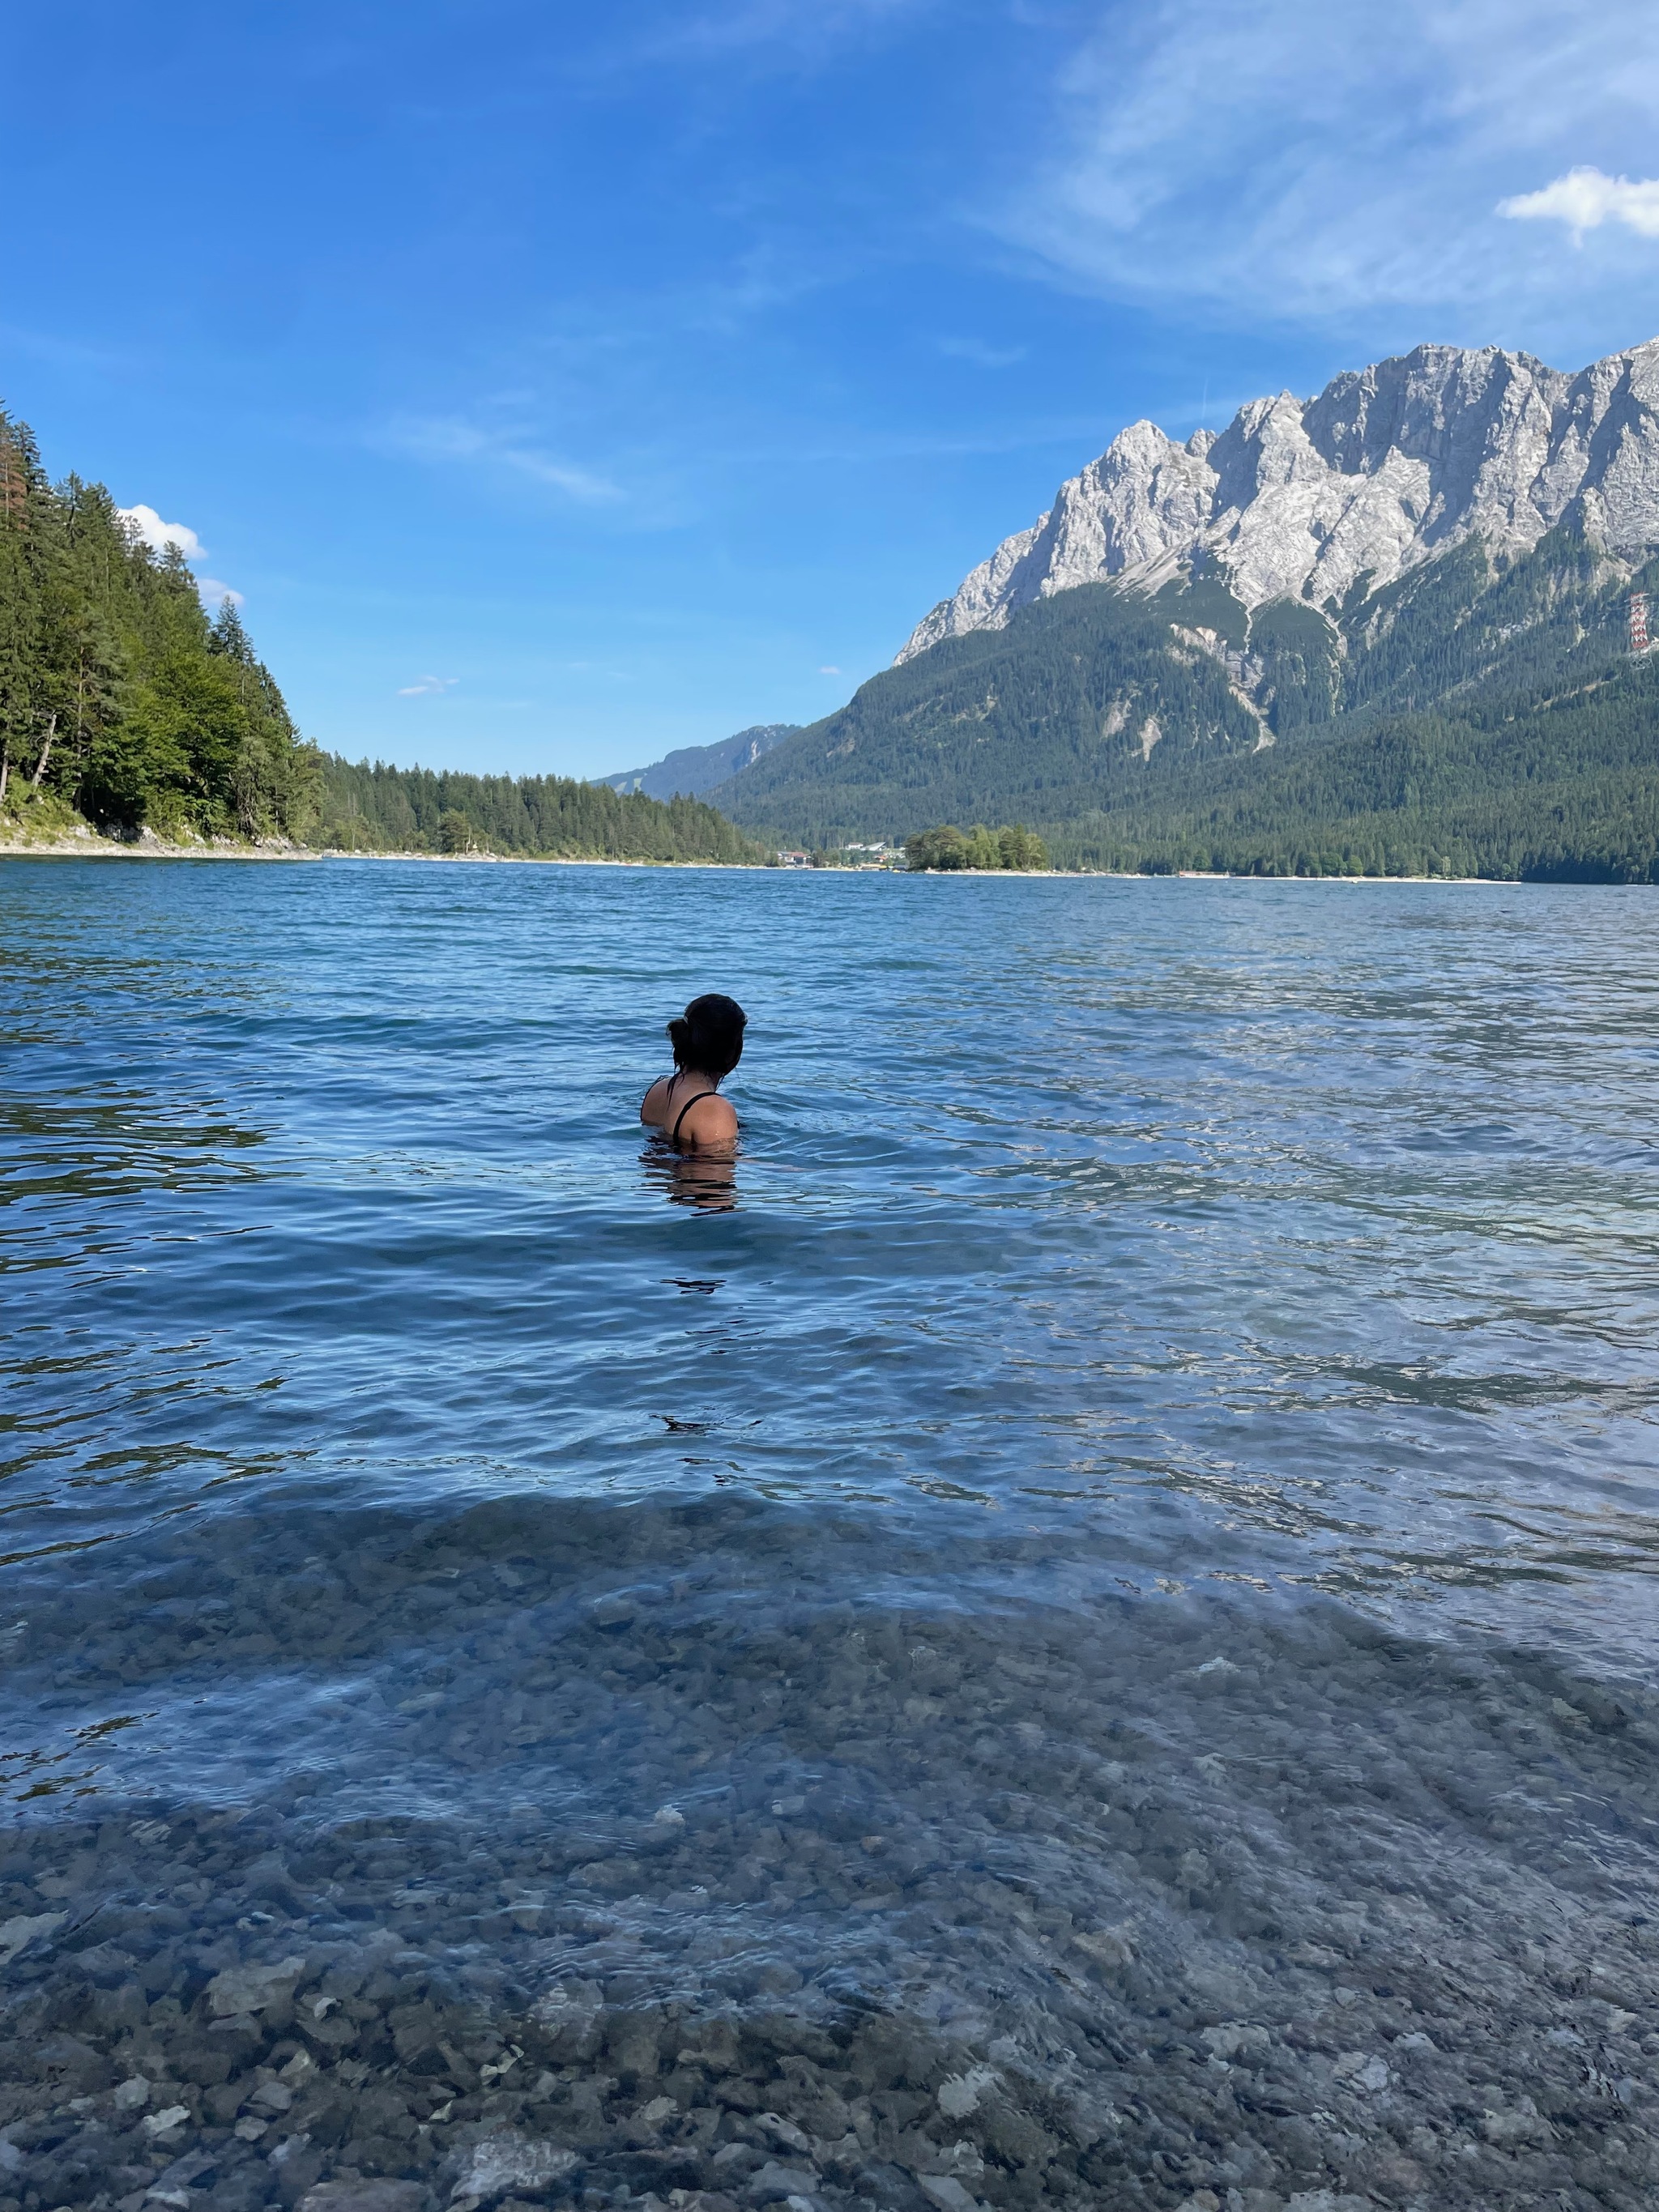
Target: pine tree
[
  {"x": 20, "y": 596},
  {"x": 83, "y": 660}
]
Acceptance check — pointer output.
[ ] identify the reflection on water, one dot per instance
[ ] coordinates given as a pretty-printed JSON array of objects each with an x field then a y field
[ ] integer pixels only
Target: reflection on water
[
  {"x": 1075, "y": 1627},
  {"x": 707, "y": 1181}
]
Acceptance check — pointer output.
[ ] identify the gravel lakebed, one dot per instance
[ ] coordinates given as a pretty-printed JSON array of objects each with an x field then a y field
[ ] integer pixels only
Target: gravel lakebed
[{"x": 744, "y": 1874}]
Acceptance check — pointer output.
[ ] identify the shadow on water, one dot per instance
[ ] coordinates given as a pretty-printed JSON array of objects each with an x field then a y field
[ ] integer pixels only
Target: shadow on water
[{"x": 704, "y": 1182}]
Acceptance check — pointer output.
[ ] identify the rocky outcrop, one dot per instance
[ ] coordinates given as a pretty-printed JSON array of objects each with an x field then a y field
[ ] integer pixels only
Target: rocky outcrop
[{"x": 1386, "y": 468}]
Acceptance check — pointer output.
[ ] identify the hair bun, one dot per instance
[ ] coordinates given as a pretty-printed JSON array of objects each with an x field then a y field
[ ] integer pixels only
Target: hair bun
[{"x": 708, "y": 1035}]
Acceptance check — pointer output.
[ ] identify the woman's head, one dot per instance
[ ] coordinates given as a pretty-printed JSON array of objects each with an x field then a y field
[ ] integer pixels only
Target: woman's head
[{"x": 707, "y": 1038}]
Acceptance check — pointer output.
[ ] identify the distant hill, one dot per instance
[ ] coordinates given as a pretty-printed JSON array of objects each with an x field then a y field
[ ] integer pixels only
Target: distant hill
[
  {"x": 696, "y": 769},
  {"x": 1384, "y": 631}
]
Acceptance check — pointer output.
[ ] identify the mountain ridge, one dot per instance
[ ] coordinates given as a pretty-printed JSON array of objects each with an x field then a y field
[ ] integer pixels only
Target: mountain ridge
[
  {"x": 691, "y": 770},
  {"x": 1385, "y": 469}
]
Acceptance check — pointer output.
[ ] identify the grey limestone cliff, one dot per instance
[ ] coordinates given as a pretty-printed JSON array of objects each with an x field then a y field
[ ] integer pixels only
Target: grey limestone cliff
[{"x": 1389, "y": 466}]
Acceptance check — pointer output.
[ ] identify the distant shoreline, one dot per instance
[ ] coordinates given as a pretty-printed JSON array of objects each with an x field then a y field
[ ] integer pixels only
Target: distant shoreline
[{"x": 108, "y": 848}]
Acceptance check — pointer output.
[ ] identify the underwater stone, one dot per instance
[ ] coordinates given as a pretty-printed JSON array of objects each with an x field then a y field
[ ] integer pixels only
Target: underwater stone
[
  {"x": 367, "y": 2196},
  {"x": 251, "y": 1989},
  {"x": 507, "y": 2160}
]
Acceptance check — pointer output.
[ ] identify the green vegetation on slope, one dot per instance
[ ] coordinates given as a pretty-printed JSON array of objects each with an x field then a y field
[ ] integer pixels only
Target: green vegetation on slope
[
  {"x": 123, "y": 705},
  {"x": 1015, "y": 723},
  {"x": 1471, "y": 718},
  {"x": 415, "y": 809},
  {"x": 1567, "y": 790},
  {"x": 118, "y": 699}
]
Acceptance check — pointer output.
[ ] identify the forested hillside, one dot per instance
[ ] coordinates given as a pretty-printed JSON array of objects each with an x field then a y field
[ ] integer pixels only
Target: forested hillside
[
  {"x": 119, "y": 698},
  {"x": 1476, "y": 716},
  {"x": 382, "y": 809},
  {"x": 122, "y": 705}
]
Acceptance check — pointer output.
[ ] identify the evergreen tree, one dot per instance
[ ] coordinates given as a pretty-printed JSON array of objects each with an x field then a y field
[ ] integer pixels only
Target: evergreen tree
[
  {"x": 85, "y": 662},
  {"x": 119, "y": 697},
  {"x": 19, "y": 597}
]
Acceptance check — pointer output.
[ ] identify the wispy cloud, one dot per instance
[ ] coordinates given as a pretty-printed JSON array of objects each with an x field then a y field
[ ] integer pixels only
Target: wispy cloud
[
  {"x": 148, "y": 525},
  {"x": 829, "y": 671},
  {"x": 797, "y": 29},
  {"x": 1584, "y": 199},
  {"x": 1286, "y": 158},
  {"x": 981, "y": 356},
  {"x": 216, "y": 594},
  {"x": 453, "y": 438},
  {"x": 428, "y": 686}
]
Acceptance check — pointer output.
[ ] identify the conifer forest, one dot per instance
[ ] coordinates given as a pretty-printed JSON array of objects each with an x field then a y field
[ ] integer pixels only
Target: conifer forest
[{"x": 120, "y": 700}]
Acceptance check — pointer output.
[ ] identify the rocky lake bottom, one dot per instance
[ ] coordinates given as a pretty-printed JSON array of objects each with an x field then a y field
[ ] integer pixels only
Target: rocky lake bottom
[{"x": 1080, "y": 1635}]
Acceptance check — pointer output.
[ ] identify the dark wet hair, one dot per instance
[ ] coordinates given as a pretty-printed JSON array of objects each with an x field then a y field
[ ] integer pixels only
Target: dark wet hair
[{"x": 708, "y": 1035}]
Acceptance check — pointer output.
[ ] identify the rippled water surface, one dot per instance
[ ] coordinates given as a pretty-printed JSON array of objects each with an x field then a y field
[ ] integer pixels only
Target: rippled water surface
[{"x": 1116, "y": 1550}]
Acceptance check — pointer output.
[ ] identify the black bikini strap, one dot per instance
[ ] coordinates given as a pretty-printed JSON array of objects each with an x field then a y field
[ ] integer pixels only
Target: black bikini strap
[{"x": 686, "y": 1108}]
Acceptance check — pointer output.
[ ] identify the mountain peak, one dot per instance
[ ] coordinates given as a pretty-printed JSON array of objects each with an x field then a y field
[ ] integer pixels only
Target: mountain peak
[{"x": 1385, "y": 468}]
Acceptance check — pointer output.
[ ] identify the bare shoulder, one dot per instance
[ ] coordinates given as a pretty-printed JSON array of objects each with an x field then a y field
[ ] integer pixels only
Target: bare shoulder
[
  {"x": 710, "y": 1121},
  {"x": 653, "y": 1107}
]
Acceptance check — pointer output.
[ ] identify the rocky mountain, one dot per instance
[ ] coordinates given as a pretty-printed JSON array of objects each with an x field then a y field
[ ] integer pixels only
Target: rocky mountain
[
  {"x": 1485, "y": 714},
  {"x": 694, "y": 769},
  {"x": 1316, "y": 502}
]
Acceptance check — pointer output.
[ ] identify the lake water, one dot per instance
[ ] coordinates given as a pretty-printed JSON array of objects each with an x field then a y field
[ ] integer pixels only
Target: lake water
[{"x": 1079, "y": 1630}]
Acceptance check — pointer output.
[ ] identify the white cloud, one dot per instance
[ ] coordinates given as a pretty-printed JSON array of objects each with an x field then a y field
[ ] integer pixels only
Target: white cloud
[
  {"x": 148, "y": 524},
  {"x": 1584, "y": 199},
  {"x": 829, "y": 671},
  {"x": 1301, "y": 160},
  {"x": 428, "y": 686},
  {"x": 216, "y": 594}
]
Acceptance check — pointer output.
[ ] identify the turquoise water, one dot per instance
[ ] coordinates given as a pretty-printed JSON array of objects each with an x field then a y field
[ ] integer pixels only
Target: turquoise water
[{"x": 1155, "y": 1435}]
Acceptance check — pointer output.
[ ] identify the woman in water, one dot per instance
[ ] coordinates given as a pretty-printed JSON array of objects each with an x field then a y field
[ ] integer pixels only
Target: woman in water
[{"x": 686, "y": 1106}]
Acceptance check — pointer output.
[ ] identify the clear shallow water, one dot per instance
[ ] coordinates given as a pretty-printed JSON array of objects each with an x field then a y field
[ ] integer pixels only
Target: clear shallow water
[{"x": 1135, "y": 1504}]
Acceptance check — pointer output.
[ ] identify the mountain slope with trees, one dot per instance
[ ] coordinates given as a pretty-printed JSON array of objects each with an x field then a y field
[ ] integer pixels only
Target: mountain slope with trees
[
  {"x": 120, "y": 702},
  {"x": 692, "y": 769},
  {"x": 123, "y": 706},
  {"x": 1482, "y": 714}
]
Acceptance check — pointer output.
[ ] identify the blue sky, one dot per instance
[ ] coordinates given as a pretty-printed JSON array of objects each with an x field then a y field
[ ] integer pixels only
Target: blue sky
[{"x": 557, "y": 386}]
